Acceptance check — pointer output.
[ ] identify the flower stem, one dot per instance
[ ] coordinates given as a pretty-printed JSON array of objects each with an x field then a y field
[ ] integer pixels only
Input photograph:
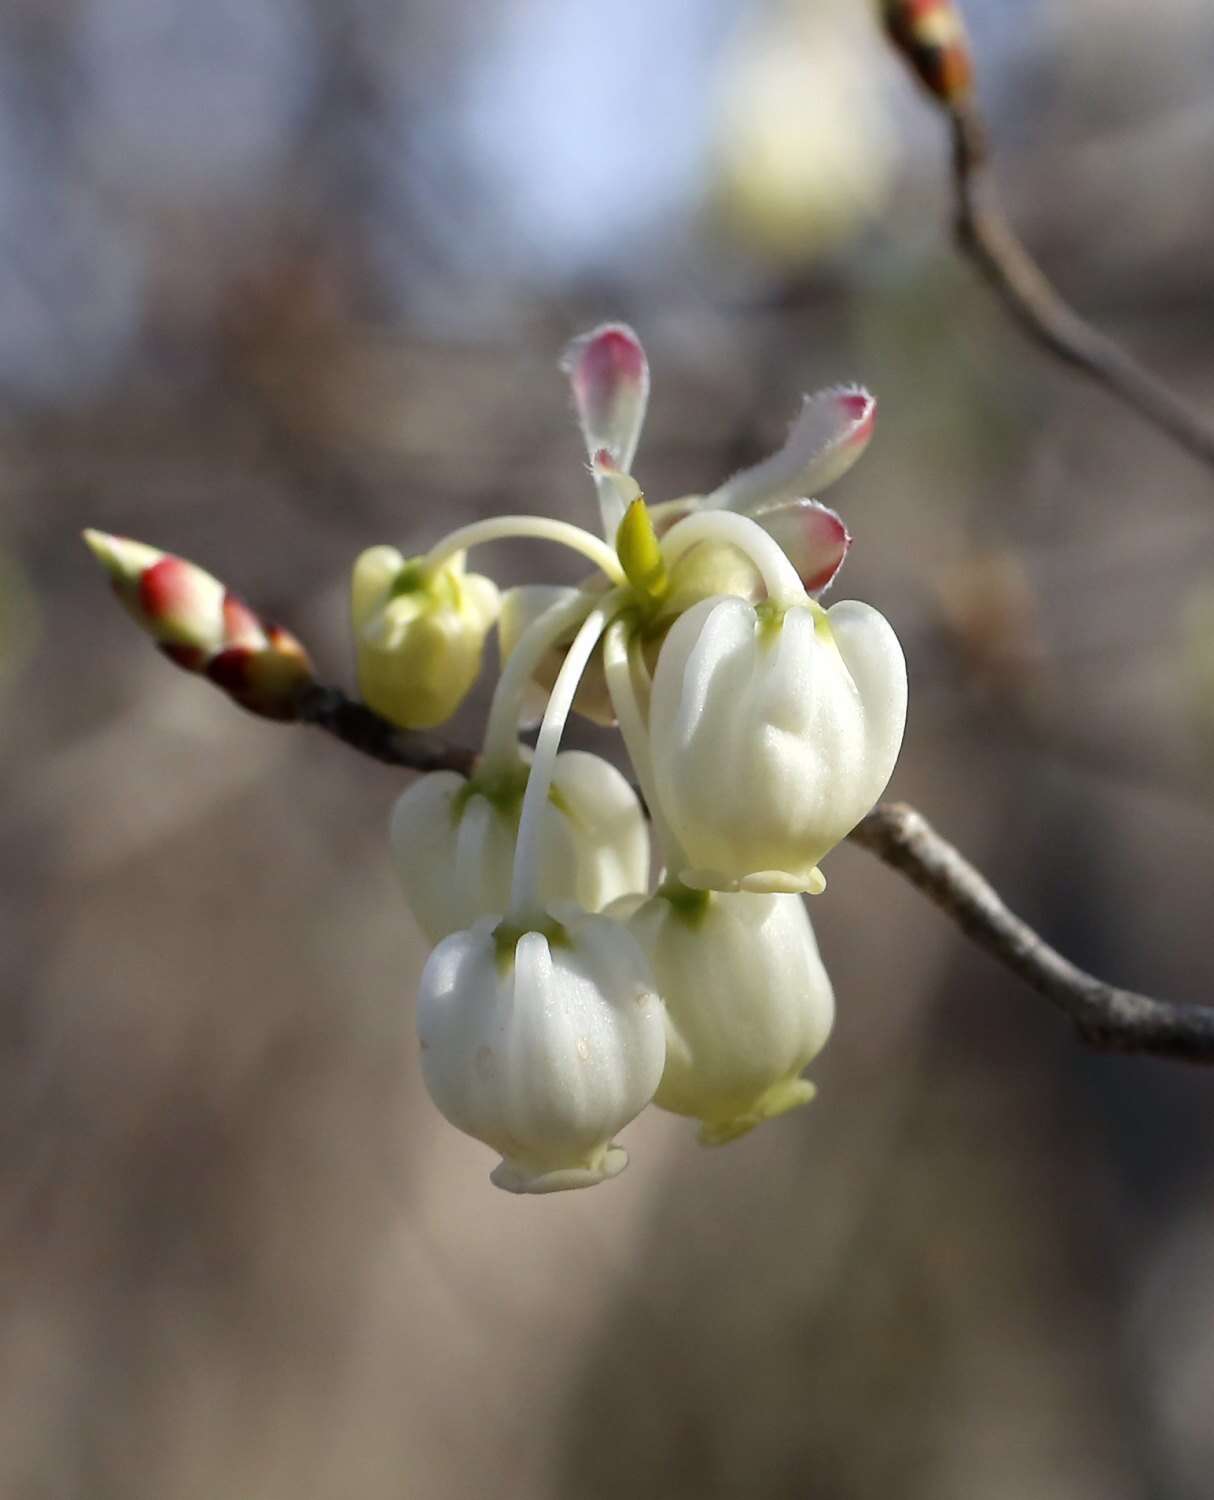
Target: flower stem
[
  {"x": 618, "y": 667},
  {"x": 501, "y": 733},
  {"x": 784, "y": 587},
  {"x": 496, "y": 528},
  {"x": 525, "y": 886}
]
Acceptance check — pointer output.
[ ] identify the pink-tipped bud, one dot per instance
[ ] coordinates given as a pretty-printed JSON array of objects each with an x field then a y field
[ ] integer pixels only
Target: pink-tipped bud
[
  {"x": 832, "y": 431},
  {"x": 179, "y": 605},
  {"x": 813, "y": 537},
  {"x": 609, "y": 375},
  {"x": 203, "y": 628},
  {"x": 931, "y": 35}
]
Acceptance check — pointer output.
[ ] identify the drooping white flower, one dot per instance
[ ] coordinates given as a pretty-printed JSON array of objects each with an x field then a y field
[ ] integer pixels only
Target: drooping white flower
[
  {"x": 774, "y": 730},
  {"x": 419, "y": 633},
  {"x": 748, "y": 1004},
  {"x": 453, "y": 841},
  {"x": 542, "y": 1044}
]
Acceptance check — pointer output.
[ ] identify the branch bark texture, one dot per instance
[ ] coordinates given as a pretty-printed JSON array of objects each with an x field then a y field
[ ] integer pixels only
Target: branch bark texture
[{"x": 985, "y": 235}]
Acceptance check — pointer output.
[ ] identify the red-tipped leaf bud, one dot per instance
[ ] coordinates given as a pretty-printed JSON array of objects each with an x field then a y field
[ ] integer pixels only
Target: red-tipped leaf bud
[
  {"x": 931, "y": 35},
  {"x": 203, "y": 628}
]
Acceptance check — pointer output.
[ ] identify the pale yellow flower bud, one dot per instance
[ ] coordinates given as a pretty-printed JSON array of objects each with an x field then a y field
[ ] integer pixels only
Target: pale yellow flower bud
[{"x": 419, "y": 634}]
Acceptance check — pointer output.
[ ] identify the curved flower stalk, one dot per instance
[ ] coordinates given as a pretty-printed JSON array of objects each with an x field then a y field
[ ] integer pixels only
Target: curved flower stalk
[
  {"x": 748, "y": 1004},
  {"x": 541, "y": 1032},
  {"x": 454, "y": 840}
]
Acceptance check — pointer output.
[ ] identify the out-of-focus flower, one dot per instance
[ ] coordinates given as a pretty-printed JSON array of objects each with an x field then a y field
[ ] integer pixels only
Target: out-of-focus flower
[{"x": 804, "y": 149}]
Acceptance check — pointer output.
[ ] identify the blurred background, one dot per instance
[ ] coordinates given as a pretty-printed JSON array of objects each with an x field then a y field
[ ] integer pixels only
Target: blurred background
[{"x": 281, "y": 279}]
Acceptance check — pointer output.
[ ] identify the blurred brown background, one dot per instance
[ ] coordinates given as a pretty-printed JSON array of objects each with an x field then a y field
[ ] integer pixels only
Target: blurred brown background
[{"x": 280, "y": 279}]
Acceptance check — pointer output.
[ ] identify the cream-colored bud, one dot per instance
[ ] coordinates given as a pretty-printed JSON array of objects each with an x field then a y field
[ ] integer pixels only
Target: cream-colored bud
[
  {"x": 748, "y": 1004},
  {"x": 419, "y": 634}
]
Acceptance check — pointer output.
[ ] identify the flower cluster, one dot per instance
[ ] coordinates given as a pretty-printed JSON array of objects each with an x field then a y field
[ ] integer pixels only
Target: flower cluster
[{"x": 568, "y": 989}]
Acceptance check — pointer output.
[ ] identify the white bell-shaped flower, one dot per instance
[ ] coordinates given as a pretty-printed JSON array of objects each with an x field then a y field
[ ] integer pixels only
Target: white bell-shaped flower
[
  {"x": 774, "y": 730},
  {"x": 542, "y": 1044},
  {"x": 748, "y": 1004},
  {"x": 453, "y": 841}
]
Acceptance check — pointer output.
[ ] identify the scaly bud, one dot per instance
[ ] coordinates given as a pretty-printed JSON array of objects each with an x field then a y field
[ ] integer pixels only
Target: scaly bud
[
  {"x": 203, "y": 628},
  {"x": 931, "y": 35}
]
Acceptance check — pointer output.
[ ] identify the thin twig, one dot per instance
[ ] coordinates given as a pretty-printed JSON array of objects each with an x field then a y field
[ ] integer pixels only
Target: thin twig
[
  {"x": 361, "y": 728},
  {"x": 986, "y": 236},
  {"x": 1105, "y": 1016}
]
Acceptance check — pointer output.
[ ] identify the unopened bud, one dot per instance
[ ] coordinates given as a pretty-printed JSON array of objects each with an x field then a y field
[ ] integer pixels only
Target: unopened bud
[
  {"x": 931, "y": 35},
  {"x": 420, "y": 633},
  {"x": 203, "y": 628}
]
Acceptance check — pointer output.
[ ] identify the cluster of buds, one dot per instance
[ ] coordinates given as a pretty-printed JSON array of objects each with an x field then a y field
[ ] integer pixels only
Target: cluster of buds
[
  {"x": 587, "y": 963},
  {"x": 202, "y": 627}
]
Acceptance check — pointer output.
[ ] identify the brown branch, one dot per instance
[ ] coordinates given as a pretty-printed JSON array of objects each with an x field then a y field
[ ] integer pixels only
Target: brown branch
[
  {"x": 1107, "y": 1017},
  {"x": 985, "y": 235},
  {"x": 361, "y": 728},
  {"x": 931, "y": 37}
]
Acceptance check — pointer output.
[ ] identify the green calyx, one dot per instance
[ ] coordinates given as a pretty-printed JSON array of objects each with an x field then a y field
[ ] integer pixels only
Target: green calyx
[
  {"x": 504, "y": 791},
  {"x": 411, "y": 579},
  {"x": 501, "y": 789},
  {"x": 441, "y": 585},
  {"x": 689, "y": 906},
  {"x": 507, "y": 933},
  {"x": 770, "y": 617}
]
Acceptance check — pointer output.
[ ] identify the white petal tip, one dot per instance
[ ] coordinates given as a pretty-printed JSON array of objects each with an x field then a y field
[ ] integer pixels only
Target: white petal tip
[
  {"x": 515, "y": 1177},
  {"x": 789, "y": 1093},
  {"x": 761, "y": 882}
]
